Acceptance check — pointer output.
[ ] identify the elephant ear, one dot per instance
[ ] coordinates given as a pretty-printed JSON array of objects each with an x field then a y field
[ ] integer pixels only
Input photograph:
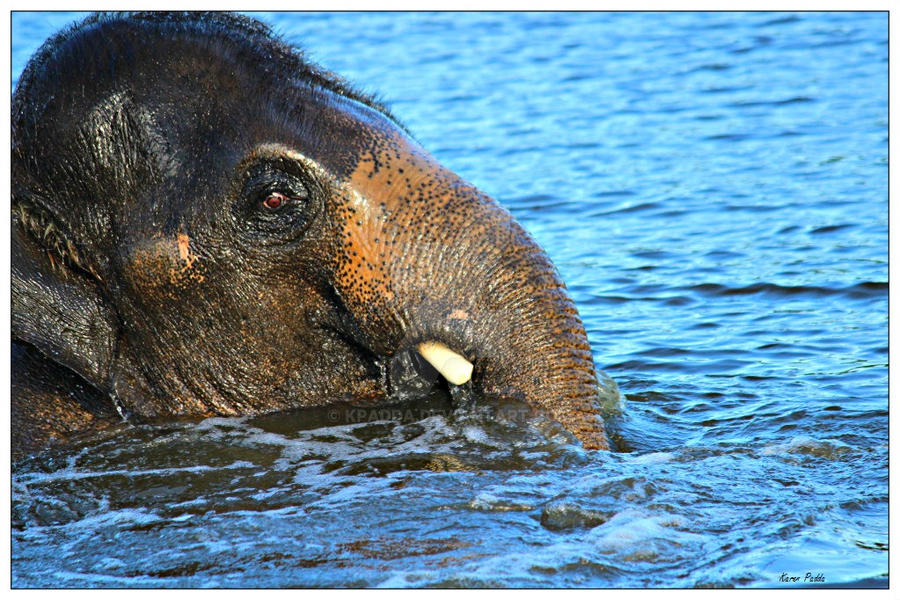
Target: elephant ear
[{"x": 59, "y": 311}]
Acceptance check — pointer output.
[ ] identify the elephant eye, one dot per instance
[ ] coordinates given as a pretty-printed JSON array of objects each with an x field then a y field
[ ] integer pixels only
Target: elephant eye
[
  {"x": 275, "y": 200},
  {"x": 273, "y": 191}
]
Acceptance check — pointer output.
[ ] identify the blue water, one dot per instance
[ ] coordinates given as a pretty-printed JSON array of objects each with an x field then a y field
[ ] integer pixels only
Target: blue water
[{"x": 713, "y": 189}]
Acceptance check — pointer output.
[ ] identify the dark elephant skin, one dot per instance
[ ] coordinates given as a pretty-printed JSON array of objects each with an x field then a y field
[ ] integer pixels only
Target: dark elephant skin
[{"x": 205, "y": 224}]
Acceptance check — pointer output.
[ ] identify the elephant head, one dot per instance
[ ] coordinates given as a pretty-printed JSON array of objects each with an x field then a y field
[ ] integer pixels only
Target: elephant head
[{"x": 205, "y": 223}]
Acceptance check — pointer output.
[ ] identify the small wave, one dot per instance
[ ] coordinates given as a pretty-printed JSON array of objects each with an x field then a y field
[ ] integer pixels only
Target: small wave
[
  {"x": 653, "y": 458},
  {"x": 754, "y": 208},
  {"x": 542, "y": 202},
  {"x": 831, "y": 228},
  {"x": 830, "y": 450},
  {"x": 73, "y": 475},
  {"x": 714, "y": 67},
  {"x": 664, "y": 352},
  {"x": 638, "y": 537},
  {"x": 633, "y": 208},
  {"x": 835, "y": 42},
  {"x": 611, "y": 193},
  {"x": 718, "y": 368},
  {"x": 74, "y": 579},
  {"x": 723, "y": 254},
  {"x": 560, "y": 516},
  {"x": 863, "y": 290},
  {"x": 577, "y": 77},
  {"x": 488, "y": 502},
  {"x": 769, "y": 103},
  {"x": 780, "y": 21},
  {"x": 728, "y": 137},
  {"x": 725, "y": 89},
  {"x": 655, "y": 254}
]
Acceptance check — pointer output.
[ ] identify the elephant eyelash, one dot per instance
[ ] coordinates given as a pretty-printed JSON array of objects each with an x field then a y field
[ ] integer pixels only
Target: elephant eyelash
[{"x": 40, "y": 227}]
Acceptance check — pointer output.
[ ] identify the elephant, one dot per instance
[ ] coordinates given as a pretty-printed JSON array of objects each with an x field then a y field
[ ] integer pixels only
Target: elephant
[{"x": 204, "y": 223}]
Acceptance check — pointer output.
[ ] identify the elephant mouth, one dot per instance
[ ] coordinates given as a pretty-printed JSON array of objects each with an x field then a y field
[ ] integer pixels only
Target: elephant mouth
[{"x": 417, "y": 371}]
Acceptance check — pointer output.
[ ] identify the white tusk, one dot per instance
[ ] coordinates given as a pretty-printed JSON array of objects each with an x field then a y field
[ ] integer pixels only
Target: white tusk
[{"x": 455, "y": 369}]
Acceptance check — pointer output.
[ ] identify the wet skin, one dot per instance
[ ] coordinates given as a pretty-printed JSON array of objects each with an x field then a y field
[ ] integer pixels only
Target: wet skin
[{"x": 204, "y": 224}]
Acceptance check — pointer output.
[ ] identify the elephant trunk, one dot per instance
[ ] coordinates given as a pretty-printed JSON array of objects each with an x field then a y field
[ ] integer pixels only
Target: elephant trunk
[
  {"x": 542, "y": 356},
  {"x": 530, "y": 342}
]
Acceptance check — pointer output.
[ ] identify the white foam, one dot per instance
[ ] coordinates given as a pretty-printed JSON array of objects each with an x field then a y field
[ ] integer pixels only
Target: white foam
[
  {"x": 653, "y": 458},
  {"x": 631, "y": 529}
]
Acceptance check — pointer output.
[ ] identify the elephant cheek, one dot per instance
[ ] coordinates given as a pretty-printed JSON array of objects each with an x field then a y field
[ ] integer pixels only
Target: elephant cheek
[
  {"x": 363, "y": 277},
  {"x": 164, "y": 267}
]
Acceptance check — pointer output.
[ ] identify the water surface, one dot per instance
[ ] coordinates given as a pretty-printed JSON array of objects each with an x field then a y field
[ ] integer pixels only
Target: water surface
[{"x": 713, "y": 189}]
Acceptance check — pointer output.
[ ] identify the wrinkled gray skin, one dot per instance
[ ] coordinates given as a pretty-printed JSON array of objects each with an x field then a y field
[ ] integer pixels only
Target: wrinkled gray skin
[{"x": 205, "y": 224}]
